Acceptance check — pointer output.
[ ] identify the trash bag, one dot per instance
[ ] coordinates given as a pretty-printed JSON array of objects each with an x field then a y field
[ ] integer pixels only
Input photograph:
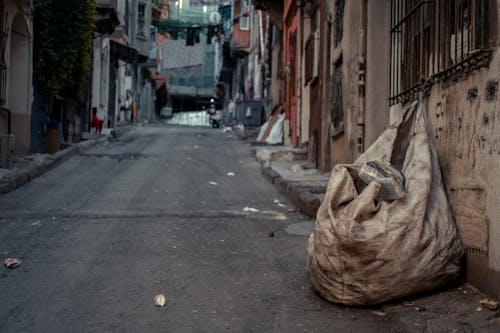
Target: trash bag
[{"x": 366, "y": 249}]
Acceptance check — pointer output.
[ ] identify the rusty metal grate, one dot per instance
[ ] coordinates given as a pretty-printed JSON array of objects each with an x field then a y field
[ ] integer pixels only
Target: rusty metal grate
[
  {"x": 3, "y": 45},
  {"x": 337, "y": 108},
  {"x": 435, "y": 40}
]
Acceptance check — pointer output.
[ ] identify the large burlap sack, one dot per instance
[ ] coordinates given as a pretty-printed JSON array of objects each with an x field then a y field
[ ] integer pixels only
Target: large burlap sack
[{"x": 365, "y": 251}]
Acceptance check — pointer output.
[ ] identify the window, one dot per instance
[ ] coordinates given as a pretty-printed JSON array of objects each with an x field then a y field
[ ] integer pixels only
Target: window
[
  {"x": 141, "y": 20},
  {"x": 435, "y": 40},
  {"x": 339, "y": 21},
  {"x": 245, "y": 15},
  {"x": 312, "y": 49},
  {"x": 336, "y": 103},
  {"x": 312, "y": 57}
]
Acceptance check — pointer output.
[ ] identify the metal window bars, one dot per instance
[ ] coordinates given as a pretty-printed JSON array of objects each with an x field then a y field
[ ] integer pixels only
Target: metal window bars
[
  {"x": 141, "y": 20},
  {"x": 339, "y": 21},
  {"x": 435, "y": 40},
  {"x": 336, "y": 104}
]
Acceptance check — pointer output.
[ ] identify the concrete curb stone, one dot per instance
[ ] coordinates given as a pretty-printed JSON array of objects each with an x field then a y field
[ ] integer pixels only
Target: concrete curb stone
[{"x": 270, "y": 174}]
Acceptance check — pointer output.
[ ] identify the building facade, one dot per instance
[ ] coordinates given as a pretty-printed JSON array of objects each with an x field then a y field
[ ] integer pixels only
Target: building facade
[
  {"x": 351, "y": 68},
  {"x": 16, "y": 66},
  {"x": 119, "y": 55}
]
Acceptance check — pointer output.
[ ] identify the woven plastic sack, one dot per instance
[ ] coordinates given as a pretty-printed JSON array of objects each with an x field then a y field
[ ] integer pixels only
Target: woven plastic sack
[{"x": 366, "y": 251}]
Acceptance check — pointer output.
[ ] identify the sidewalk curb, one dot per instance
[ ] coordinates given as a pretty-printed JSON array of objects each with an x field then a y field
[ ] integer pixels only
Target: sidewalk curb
[
  {"x": 301, "y": 196},
  {"x": 16, "y": 178},
  {"x": 270, "y": 174}
]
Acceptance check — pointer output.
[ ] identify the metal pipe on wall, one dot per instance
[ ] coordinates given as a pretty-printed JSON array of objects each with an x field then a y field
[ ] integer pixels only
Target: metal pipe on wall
[{"x": 362, "y": 75}]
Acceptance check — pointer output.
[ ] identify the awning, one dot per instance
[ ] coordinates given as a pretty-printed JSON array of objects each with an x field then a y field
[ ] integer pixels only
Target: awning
[{"x": 126, "y": 53}]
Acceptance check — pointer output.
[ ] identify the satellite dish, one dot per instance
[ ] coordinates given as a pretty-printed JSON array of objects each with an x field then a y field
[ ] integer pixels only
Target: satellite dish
[{"x": 214, "y": 18}]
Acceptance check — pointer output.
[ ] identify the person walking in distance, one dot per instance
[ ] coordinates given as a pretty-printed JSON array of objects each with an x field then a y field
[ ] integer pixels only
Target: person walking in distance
[{"x": 96, "y": 121}]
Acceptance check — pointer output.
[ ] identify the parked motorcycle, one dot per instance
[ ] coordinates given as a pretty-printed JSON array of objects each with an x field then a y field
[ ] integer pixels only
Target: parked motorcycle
[{"x": 214, "y": 116}]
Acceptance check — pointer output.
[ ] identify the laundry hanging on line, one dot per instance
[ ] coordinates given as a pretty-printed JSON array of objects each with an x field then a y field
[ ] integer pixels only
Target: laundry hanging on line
[{"x": 193, "y": 35}]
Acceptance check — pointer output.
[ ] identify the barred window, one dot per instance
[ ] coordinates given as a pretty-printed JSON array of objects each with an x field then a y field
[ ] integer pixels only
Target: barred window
[
  {"x": 312, "y": 48},
  {"x": 339, "y": 21},
  {"x": 337, "y": 108},
  {"x": 436, "y": 40},
  {"x": 141, "y": 20}
]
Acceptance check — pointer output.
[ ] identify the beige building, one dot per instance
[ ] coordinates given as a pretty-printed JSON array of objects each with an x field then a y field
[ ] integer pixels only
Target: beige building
[
  {"x": 15, "y": 76},
  {"x": 363, "y": 61}
]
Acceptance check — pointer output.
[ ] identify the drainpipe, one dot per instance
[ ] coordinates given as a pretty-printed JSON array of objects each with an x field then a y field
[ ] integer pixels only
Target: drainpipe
[
  {"x": 9, "y": 122},
  {"x": 299, "y": 84},
  {"x": 362, "y": 76}
]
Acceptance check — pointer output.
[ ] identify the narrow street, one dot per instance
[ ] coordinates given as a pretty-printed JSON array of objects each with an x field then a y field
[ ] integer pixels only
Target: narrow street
[{"x": 159, "y": 211}]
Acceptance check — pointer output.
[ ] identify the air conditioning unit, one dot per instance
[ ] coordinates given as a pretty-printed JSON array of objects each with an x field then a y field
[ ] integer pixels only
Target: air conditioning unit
[{"x": 6, "y": 151}]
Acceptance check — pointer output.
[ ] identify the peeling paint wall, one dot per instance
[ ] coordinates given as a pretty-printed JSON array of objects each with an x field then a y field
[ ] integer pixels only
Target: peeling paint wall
[
  {"x": 465, "y": 125},
  {"x": 19, "y": 61},
  {"x": 465, "y": 121}
]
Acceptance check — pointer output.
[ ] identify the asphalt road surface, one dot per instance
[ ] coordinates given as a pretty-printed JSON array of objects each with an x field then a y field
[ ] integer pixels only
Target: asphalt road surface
[{"x": 159, "y": 211}]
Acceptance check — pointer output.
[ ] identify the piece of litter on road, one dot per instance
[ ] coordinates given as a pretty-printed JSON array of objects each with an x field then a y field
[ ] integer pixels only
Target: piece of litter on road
[
  {"x": 12, "y": 263},
  {"x": 276, "y": 201},
  {"x": 36, "y": 223},
  {"x": 230, "y": 174},
  {"x": 213, "y": 183},
  {"x": 160, "y": 300},
  {"x": 379, "y": 313},
  {"x": 489, "y": 303},
  {"x": 271, "y": 234},
  {"x": 250, "y": 209},
  {"x": 281, "y": 205},
  {"x": 479, "y": 309}
]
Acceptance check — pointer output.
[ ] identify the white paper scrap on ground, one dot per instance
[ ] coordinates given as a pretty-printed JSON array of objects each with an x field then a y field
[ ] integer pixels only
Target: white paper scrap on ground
[
  {"x": 213, "y": 183},
  {"x": 230, "y": 174},
  {"x": 250, "y": 209}
]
